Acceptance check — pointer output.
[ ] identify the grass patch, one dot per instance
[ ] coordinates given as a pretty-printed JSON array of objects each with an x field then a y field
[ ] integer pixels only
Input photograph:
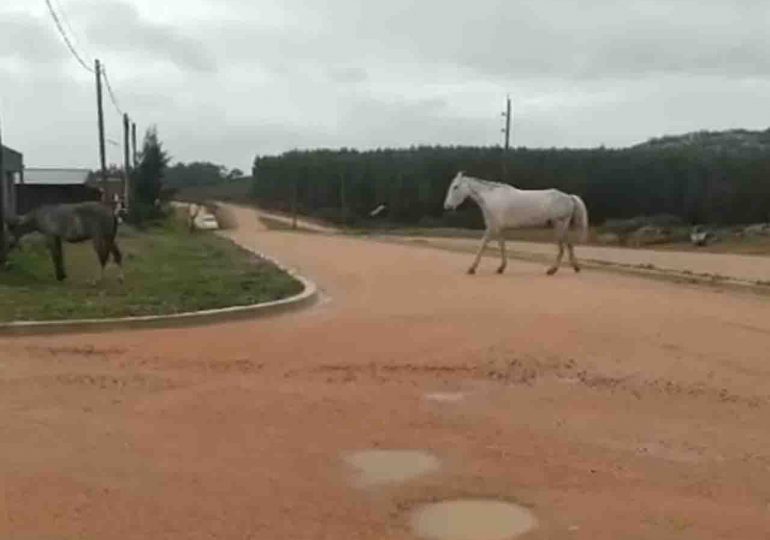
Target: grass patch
[{"x": 167, "y": 271}]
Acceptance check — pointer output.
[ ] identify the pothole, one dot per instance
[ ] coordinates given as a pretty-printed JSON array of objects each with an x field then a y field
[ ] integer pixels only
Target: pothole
[
  {"x": 472, "y": 519},
  {"x": 376, "y": 467},
  {"x": 445, "y": 397}
]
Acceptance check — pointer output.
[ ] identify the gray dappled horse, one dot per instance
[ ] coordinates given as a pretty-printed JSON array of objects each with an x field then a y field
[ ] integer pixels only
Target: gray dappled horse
[{"x": 72, "y": 223}]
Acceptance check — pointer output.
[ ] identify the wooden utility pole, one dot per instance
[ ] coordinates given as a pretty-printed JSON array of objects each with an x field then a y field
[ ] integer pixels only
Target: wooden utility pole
[
  {"x": 294, "y": 202},
  {"x": 133, "y": 144},
  {"x": 100, "y": 110},
  {"x": 507, "y": 131},
  {"x": 126, "y": 161},
  {"x": 3, "y": 178}
]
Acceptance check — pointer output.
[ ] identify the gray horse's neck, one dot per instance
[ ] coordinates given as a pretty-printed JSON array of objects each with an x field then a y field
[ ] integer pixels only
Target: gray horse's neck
[{"x": 26, "y": 224}]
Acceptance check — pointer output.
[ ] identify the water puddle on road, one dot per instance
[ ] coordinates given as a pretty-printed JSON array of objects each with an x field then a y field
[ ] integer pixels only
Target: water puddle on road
[
  {"x": 472, "y": 519},
  {"x": 445, "y": 397},
  {"x": 375, "y": 467}
]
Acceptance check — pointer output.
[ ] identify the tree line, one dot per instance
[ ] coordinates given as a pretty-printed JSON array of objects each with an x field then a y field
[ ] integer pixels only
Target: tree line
[{"x": 721, "y": 178}]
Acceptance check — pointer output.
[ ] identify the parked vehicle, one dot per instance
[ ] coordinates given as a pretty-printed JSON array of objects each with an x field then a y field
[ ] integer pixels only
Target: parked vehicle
[{"x": 205, "y": 222}]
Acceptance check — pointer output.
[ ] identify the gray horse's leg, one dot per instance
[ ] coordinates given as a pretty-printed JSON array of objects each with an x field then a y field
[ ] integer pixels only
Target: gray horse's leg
[
  {"x": 55, "y": 247},
  {"x": 484, "y": 242},
  {"x": 117, "y": 256},
  {"x": 103, "y": 252},
  {"x": 561, "y": 228},
  {"x": 503, "y": 255}
]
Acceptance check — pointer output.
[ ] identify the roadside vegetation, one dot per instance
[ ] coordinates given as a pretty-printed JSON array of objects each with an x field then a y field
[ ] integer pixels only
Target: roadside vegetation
[{"x": 168, "y": 270}]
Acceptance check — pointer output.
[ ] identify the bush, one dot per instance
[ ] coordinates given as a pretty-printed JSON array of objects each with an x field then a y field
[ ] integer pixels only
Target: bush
[{"x": 142, "y": 215}]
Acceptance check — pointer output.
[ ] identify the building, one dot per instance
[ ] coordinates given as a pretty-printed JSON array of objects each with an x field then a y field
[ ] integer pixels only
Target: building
[
  {"x": 12, "y": 173},
  {"x": 40, "y": 186},
  {"x": 115, "y": 184}
]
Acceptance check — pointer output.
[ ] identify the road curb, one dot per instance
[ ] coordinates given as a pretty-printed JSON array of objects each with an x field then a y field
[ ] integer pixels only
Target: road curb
[{"x": 306, "y": 298}]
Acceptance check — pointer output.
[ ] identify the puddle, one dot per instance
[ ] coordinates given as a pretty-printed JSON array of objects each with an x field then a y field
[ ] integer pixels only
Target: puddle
[
  {"x": 445, "y": 397},
  {"x": 376, "y": 467},
  {"x": 472, "y": 519}
]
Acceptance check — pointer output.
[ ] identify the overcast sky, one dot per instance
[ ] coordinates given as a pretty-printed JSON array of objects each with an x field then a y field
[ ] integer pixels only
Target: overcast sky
[{"x": 227, "y": 79}]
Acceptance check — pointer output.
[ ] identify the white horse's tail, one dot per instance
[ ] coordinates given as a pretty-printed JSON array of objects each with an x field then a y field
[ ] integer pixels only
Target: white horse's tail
[{"x": 580, "y": 218}]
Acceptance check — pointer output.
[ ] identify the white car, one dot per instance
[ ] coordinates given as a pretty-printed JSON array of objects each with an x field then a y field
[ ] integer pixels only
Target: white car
[{"x": 206, "y": 222}]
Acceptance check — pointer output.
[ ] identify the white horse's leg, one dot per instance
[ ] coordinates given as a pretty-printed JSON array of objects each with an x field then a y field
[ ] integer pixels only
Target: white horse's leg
[
  {"x": 572, "y": 258},
  {"x": 561, "y": 228},
  {"x": 484, "y": 242},
  {"x": 503, "y": 256}
]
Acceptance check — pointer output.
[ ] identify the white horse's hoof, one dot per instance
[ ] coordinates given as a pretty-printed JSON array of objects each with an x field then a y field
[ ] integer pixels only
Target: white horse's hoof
[
  {"x": 471, "y": 271},
  {"x": 501, "y": 270},
  {"x": 551, "y": 271}
]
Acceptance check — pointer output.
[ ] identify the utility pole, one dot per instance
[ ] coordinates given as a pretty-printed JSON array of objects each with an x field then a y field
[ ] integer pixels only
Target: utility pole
[
  {"x": 100, "y": 109},
  {"x": 133, "y": 143},
  {"x": 3, "y": 178},
  {"x": 294, "y": 202},
  {"x": 343, "y": 200},
  {"x": 126, "y": 162},
  {"x": 507, "y": 131}
]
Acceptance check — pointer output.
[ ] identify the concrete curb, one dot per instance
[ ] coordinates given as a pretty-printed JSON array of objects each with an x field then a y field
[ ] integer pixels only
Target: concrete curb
[{"x": 306, "y": 298}]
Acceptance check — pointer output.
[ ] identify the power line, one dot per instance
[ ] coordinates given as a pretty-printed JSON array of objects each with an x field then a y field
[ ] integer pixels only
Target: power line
[
  {"x": 66, "y": 38},
  {"x": 73, "y": 35},
  {"x": 111, "y": 93}
]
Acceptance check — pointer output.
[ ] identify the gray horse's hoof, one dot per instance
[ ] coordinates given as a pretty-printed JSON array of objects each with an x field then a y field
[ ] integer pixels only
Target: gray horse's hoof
[
  {"x": 551, "y": 271},
  {"x": 471, "y": 271},
  {"x": 577, "y": 269},
  {"x": 501, "y": 270}
]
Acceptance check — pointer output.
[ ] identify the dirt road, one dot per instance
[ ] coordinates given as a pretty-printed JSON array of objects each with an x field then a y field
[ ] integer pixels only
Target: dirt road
[
  {"x": 747, "y": 269},
  {"x": 613, "y": 407}
]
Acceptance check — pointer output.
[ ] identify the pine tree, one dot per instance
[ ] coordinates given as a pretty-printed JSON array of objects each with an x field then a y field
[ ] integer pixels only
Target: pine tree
[{"x": 148, "y": 178}]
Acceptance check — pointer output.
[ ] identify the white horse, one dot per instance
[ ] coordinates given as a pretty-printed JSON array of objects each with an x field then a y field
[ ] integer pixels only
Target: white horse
[{"x": 506, "y": 207}]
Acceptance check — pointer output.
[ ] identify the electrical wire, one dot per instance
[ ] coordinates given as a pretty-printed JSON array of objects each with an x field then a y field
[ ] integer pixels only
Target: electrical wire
[
  {"x": 66, "y": 38},
  {"x": 110, "y": 92},
  {"x": 71, "y": 31}
]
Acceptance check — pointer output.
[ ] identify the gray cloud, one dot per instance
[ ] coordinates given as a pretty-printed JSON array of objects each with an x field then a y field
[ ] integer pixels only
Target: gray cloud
[
  {"x": 348, "y": 75},
  {"x": 28, "y": 39},
  {"x": 118, "y": 26},
  {"x": 263, "y": 76},
  {"x": 551, "y": 38}
]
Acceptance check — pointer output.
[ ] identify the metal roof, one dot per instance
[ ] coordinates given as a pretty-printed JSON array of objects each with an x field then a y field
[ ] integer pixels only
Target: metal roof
[{"x": 58, "y": 177}]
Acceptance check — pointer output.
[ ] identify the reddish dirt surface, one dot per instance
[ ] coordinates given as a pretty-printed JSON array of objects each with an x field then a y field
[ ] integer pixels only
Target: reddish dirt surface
[
  {"x": 613, "y": 407},
  {"x": 743, "y": 268}
]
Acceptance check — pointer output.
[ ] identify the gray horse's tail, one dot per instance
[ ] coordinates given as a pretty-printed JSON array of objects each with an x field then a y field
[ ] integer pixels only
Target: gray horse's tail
[{"x": 580, "y": 218}]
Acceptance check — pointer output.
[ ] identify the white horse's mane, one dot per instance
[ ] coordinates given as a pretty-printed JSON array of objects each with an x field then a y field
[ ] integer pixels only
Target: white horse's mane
[{"x": 485, "y": 183}]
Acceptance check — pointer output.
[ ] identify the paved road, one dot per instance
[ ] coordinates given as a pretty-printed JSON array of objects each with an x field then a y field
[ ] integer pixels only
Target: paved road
[{"x": 613, "y": 407}]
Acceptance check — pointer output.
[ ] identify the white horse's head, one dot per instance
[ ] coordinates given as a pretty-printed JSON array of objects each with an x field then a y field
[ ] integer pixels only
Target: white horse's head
[{"x": 458, "y": 191}]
